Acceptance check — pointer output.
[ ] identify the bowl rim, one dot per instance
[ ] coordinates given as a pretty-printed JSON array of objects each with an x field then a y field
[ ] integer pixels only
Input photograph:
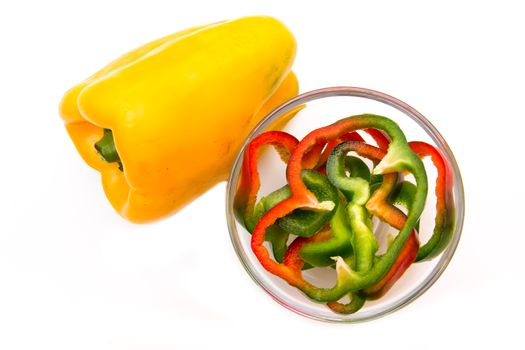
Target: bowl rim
[{"x": 409, "y": 111}]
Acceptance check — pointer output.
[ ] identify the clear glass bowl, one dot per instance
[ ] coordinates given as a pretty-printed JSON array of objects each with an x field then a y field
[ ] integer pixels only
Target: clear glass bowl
[{"x": 323, "y": 107}]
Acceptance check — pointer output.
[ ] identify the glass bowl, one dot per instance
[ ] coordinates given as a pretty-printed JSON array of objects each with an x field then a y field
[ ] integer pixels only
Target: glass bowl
[{"x": 323, "y": 107}]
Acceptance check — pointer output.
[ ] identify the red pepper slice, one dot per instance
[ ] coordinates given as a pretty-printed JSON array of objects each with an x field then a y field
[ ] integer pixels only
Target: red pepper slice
[
  {"x": 445, "y": 211},
  {"x": 249, "y": 182}
]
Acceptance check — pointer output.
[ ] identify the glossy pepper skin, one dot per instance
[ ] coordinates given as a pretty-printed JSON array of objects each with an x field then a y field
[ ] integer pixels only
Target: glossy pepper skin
[{"x": 179, "y": 108}]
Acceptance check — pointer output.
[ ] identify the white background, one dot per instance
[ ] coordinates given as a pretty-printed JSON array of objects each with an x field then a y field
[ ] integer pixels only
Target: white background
[{"x": 74, "y": 275}]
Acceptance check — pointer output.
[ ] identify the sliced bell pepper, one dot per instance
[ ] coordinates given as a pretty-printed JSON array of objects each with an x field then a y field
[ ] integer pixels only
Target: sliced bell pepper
[
  {"x": 398, "y": 158},
  {"x": 347, "y": 237}
]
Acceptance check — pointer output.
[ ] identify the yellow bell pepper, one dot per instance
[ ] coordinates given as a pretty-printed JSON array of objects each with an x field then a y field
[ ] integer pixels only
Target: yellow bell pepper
[{"x": 179, "y": 108}]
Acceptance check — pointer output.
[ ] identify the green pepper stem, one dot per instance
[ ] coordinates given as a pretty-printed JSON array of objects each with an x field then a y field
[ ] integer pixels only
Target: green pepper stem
[{"x": 107, "y": 150}]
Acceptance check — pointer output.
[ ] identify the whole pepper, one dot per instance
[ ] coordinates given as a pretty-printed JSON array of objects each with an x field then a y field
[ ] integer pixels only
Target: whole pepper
[{"x": 163, "y": 123}]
